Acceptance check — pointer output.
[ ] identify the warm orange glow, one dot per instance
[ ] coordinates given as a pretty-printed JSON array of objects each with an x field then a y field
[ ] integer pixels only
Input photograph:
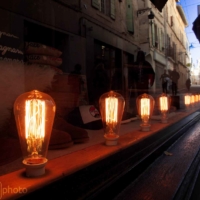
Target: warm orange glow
[
  {"x": 187, "y": 100},
  {"x": 196, "y": 98},
  {"x": 192, "y": 99},
  {"x": 145, "y": 107},
  {"x": 111, "y": 106},
  {"x": 163, "y": 103},
  {"x": 35, "y": 125},
  {"x": 111, "y": 110}
]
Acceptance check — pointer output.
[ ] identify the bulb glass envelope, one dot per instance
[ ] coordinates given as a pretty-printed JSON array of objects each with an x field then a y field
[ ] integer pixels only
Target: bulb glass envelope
[
  {"x": 164, "y": 107},
  {"x": 34, "y": 114},
  {"x": 145, "y": 105},
  {"x": 111, "y": 106}
]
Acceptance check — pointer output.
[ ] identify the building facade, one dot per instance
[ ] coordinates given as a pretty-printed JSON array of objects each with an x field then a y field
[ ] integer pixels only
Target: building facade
[
  {"x": 105, "y": 36},
  {"x": 110, "y": 31},
  {"x": 164, "y": 40}
]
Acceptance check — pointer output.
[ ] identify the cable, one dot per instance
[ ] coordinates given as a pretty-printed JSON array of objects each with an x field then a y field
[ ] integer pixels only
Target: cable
[
  {"x": 191, "y": 4},
  {"x": 187, "y": 14}
]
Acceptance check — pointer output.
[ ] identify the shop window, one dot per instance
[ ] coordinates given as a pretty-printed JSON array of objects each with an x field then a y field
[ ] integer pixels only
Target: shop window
[
  {"x": 130, "y": 59},
  {"x": 38, "y": 34},
  {"x": 107, "y": 66}
]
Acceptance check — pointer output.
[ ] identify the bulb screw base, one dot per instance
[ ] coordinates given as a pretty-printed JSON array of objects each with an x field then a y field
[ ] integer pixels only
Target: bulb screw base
[
  {"x": 145, "y": 127},
  {"x": 111, "y": 141},
  {"x": 34, "y": 170},
  {"x": 164, "y": 121}
]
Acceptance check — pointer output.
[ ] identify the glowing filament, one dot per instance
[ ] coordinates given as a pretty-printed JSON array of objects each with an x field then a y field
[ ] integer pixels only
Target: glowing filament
[
  {"x": 163, "y": 104},
  {"x": 145, "y": 107},
  {"x": 35, "y": 125},
  {"x": 187, "y": 100},
  {"x": 111, "y": 110}
]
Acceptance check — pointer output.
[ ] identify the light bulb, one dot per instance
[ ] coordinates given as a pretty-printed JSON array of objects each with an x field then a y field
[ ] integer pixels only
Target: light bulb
[
  {"x": 187, "y": 101},
  {"x": 34, "y": 114},
  {"x": 145, "y": 105},
  {"x": 192, "y": 100},
  {"x": 164, "y": 105},
  {"x": 111, "y": 106}
]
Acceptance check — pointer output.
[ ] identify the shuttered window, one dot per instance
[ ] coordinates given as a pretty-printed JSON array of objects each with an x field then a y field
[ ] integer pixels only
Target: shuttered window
[
  {"x": 168, "y": 45},
  {"x": 171, "y": 21},
  {"x": 95, "y": 4},
  {"x": 112, "y": 9},
  {"x": 129, "y": 16},
  {"x": 160, "y": 40},
  {"x": 156, "y": 35},
  {"x": 174, "y": 47},
  {"x": 153, "y": 34},
  {"x": 105, "y": 6},
  {"x": 163, "y": 40}
]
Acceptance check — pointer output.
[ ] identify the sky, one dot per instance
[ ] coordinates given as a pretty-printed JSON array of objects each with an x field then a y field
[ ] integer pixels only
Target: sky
[{"x": 190, "y": 9}]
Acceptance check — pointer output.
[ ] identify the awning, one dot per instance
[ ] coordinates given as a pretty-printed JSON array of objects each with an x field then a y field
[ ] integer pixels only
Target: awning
[
  {"x": 196, "y": 27},
  {"x": 159, "y": 4}
]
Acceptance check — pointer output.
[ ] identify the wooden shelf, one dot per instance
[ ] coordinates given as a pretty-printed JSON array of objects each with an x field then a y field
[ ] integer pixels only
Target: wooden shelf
[{"x": 89, "y": 172}]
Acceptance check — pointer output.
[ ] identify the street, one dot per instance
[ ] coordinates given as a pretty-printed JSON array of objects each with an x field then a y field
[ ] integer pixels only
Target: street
[{"x": 193, "y": 89}]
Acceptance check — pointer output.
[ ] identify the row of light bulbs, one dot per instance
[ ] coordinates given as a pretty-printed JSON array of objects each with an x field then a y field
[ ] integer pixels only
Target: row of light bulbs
[
  {"x": 35, "y": 111},
  {"x": 145, "y": 106},
  {"x": 191, "y": 100}
]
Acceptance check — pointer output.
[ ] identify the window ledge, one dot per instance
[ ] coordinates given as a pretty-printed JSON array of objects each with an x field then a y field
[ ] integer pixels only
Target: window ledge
[{"x": 104, "y": 16}]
